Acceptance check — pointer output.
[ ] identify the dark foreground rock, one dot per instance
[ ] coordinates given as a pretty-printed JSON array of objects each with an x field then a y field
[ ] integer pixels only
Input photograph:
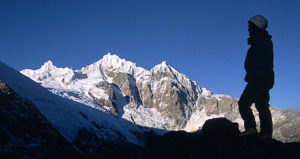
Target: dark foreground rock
[{"x": 219, "y": 139}]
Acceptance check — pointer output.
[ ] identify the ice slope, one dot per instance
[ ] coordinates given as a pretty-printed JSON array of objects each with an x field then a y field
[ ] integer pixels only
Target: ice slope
[{"x": 66, "y": 115}]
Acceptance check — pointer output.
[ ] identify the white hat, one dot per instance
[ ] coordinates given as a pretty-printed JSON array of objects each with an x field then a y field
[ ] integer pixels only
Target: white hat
[{"x": 260, "y": 21}]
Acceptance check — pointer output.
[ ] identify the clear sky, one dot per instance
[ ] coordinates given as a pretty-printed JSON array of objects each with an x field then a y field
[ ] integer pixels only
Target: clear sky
[{"x": 205, "y": 40}]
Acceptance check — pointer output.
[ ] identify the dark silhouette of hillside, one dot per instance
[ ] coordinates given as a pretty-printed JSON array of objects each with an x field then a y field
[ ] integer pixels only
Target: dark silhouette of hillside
[{"x": 26, "y": 133}]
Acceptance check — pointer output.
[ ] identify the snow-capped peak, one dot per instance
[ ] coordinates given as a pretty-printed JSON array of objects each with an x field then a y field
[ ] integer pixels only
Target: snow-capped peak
[
  {"x": 111, "y": 58},
  {"x": 162, "y": 67},
  {"x": 49, "y": 72},
  {"x": 48, "y": 65},
  {"x": 164, "y": 63},
  {"x": 115, "y": 63}
]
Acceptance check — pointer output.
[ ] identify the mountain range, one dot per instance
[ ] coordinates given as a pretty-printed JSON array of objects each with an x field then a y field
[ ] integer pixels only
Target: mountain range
[{"x": 115, "y": 102}]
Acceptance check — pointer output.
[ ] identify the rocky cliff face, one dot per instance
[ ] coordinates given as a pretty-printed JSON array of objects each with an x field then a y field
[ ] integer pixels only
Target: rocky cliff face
[{"x": 160, "y": 98}]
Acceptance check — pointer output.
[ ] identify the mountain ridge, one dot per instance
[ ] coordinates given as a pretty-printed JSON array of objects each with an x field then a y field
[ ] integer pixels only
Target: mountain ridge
[
  {"x": 160, "y": 97},
  {"x": 106, "y": 67}
]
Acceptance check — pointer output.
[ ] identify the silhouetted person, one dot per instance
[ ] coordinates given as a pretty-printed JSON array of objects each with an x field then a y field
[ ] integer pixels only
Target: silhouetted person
[{"x": 260, "y": 78}]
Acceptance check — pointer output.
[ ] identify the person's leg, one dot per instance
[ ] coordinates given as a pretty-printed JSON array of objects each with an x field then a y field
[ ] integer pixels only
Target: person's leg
[
  {"x": 265, "y": 117},
  {"x": 245, "y": 103}
]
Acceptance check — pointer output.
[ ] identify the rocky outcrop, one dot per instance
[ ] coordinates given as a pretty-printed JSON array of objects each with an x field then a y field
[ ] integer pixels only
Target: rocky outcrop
[
  {"x": 287, "y": 128},
  {"x": 127, "y": 85},
  {"x": 108, "y": 101}
]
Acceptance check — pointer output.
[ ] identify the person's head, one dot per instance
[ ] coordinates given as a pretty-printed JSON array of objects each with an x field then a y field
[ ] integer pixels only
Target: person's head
[{"x": 257, "y": 23}]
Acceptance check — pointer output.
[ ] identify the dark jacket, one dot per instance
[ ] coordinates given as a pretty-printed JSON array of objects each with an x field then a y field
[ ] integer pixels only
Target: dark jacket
[{"x": 259, "y": 60}]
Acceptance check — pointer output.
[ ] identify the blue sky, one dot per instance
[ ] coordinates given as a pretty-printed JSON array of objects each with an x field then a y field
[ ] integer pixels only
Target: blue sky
[{"x": 206, "y": 40}]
